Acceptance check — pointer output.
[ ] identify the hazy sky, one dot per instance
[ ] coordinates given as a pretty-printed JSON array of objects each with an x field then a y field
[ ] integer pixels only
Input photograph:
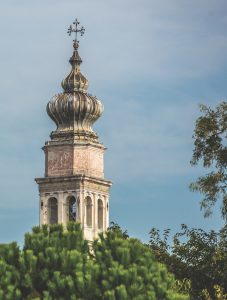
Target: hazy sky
[{"x": 151, "y": 63}]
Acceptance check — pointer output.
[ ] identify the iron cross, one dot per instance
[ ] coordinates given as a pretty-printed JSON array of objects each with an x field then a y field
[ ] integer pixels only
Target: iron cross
[{"x": 76, "y": 29}]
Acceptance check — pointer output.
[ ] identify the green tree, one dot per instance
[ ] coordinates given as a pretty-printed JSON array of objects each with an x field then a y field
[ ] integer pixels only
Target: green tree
[
  {"x": 128, "y": 270},
  {"x": 197, "y": 259},
  {"x": 58, "y": 264},
  {"x": 9, "y": 272},
  {"x": 211, "y": 148}
]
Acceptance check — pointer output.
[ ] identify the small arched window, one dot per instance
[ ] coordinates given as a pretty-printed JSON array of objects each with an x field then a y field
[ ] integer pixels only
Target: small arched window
[
  {"x": 72, "y": 208},
  {"x": 88, "y": 211},
  {"x": 100, "y": 214},
  {"x": 52, "y": 210}
]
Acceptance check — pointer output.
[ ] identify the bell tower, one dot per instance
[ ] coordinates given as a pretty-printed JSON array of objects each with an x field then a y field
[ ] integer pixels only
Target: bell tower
[{"x": 73, "y": 187}]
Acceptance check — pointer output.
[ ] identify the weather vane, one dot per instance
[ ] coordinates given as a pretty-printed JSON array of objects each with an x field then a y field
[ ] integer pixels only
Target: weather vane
[{"x": 76, "y": 29}]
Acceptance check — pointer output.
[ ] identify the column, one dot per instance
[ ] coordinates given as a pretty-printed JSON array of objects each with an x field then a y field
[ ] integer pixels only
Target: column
[
  {"x": 95, "y": 198},
  {"x": 65, "y": 208},
  {"x": 45, "y": 209},
  {"x": 106, "y": 212},
  {"x": 60, "y": 207}
]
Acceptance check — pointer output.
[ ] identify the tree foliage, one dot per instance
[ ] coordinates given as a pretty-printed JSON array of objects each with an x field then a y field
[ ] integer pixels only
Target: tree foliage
[
  {"x": 211, "y": 148},
  {"x": 197, "y": 259},
  {"x": 58, "y": 264}
]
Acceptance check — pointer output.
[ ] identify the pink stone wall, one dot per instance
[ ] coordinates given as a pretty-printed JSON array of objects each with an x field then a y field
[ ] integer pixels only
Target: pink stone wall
[
  {"x": 88, "y": 161},
  {"x": 63, "y": 161},
  {"x": 59, "y": 162}
]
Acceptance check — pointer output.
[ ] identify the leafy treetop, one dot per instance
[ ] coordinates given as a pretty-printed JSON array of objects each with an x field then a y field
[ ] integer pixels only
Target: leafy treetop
[
  {"x": 211, "y": 148},
  {"x": 58, "y": 264}
]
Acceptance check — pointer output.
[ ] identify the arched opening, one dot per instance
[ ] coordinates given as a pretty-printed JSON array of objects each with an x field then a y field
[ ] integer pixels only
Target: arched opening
[
  {"x": 100, "y": 214},
  {"x": 72, "y": 208},
  {"x": 52, "y": 210},
  {"x": 88, "y": 211}
]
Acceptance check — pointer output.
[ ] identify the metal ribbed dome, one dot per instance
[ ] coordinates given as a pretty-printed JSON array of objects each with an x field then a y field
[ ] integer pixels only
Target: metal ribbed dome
[
  {"x": 74, "y": 111},
  {"x": 75, "y": 81}
]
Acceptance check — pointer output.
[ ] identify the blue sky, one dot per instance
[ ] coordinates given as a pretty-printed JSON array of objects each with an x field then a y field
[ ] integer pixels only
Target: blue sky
[{"x": 151, "y": 63}]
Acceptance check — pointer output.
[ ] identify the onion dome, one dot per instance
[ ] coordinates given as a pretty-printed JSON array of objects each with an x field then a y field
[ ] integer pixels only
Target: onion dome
[
  {"x": 75, "y": 81},
  {"x": 74, "y": 111}
]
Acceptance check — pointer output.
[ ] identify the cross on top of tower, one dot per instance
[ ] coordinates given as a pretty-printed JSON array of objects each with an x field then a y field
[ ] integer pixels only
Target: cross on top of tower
[{"x": 75, "y": 28}]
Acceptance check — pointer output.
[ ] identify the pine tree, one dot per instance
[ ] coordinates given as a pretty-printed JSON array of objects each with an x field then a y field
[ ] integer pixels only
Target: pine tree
[{"x": 58, "y": 264}]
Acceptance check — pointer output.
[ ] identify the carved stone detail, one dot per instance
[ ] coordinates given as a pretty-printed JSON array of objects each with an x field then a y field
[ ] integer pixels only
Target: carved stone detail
[
  {"x": 60, "y": 163},
  {"x": 88, "y": 160}
]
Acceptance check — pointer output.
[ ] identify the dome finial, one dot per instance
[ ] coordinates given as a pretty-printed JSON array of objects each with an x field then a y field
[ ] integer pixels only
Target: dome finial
[
  {"x": 75, "y": 81},
  {"x": 77, "y": 30}
]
